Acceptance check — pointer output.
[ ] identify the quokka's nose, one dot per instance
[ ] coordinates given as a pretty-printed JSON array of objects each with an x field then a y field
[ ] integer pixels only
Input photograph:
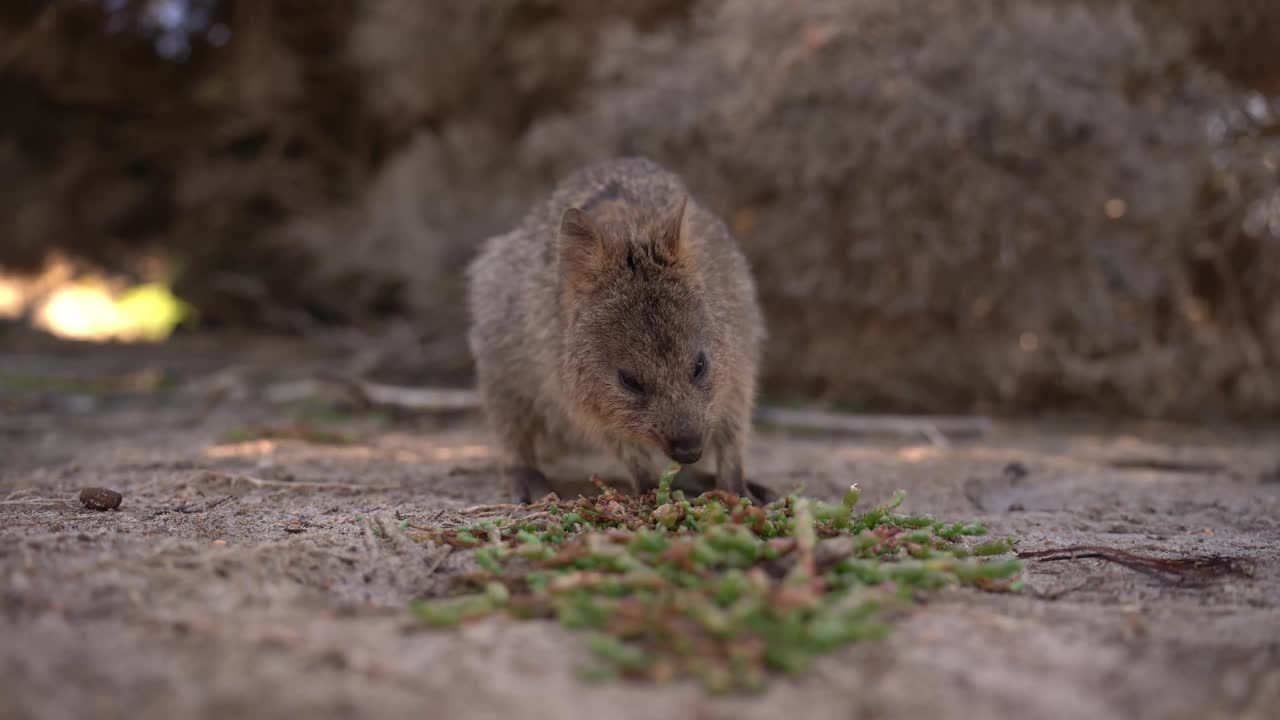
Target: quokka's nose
[{"x": 685, "y": 450}]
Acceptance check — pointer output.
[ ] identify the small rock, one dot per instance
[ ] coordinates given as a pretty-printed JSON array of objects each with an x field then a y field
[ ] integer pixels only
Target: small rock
[
  {"x": 96, "y": 498},
  {"x": 1016, "y": 471}
]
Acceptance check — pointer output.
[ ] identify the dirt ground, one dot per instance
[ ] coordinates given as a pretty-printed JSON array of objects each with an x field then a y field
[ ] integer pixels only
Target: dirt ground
[{"x": 247, "y": 577}]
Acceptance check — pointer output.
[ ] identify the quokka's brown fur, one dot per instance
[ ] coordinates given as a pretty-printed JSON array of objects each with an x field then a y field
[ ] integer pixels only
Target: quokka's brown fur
[{"x": 621, "y": 314}]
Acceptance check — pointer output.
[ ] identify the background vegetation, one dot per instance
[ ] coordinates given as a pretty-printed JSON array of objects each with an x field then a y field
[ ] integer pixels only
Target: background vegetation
[{"x": 997, "y": 205}]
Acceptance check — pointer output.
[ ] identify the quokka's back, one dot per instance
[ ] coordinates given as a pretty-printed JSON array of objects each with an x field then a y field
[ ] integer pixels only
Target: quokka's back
[{"x": 623, "y": 312}]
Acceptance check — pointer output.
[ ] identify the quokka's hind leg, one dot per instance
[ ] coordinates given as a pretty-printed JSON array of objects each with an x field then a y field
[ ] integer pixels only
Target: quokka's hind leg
[
  {"x": 528, "y": 483},
  {"x": 517, "y": 428}
]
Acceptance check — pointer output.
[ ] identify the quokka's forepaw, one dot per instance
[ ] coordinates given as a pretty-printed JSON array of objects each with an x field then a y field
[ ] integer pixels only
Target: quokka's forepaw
[
  {"x": 529, "y": 483},
  {"x": 761, "y": 494},
  {"x": 695, "y": 482}
]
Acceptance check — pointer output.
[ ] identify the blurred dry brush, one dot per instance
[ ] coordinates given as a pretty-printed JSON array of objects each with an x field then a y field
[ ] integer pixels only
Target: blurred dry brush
[{"x": 951, "y": 205}]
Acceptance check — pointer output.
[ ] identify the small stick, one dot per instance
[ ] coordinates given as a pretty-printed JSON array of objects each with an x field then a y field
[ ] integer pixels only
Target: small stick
[
  {"x": 1201, "y": 567},
  {"x": 935, "y": 428},
  {"x": 398, "y": 397},
  {"x": 259, "y": 482},
  {"x": 1162, "y": 465}
]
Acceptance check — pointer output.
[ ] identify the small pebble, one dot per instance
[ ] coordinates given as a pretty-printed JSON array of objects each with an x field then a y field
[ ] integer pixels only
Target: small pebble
[{"x": 96, "y": 498}]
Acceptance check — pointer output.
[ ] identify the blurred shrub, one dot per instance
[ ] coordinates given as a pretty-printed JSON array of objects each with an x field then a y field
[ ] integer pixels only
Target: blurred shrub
[
  {"x": 497, "y": 62},
  {"x": 950, "y": 204},
  {"x": 1236, "y": 37}
]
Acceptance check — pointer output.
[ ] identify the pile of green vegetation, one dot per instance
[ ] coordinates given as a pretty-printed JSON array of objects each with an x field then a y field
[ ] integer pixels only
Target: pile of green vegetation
[{"x": 713, "y": 587}]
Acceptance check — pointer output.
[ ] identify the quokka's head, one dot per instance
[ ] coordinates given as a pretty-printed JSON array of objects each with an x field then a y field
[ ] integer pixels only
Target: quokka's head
[{"x": 639, "y": 355}]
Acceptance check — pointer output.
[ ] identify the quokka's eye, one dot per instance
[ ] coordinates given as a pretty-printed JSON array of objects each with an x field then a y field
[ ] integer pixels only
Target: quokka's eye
[
  {"x": 700, "y": 367},
  {"x": 628, "y": 381}
]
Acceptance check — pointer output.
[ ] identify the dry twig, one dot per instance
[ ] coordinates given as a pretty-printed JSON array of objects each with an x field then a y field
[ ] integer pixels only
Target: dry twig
[
  {"x": 210, "y": 476},
  {"x": 1188, "y": 570},
  {"x": 935, "y": 428},
  {"x": 378, "y": 395}
]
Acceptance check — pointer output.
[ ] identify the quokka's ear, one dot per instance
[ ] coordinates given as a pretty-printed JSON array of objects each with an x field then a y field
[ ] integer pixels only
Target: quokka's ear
[
  {"x": 673, "y": 232},
  {"x": 581, "y": 244}
]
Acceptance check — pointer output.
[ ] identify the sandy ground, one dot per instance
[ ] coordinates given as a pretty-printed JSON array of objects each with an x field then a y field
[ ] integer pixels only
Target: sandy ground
[{"x": 210, "y": 595}]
